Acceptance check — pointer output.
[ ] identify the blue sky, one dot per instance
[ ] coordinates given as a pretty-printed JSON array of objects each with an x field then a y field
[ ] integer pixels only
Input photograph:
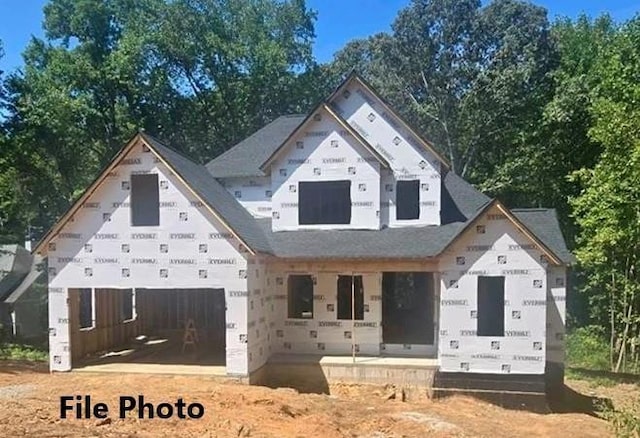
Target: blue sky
[{"x": 339, "y": 21}]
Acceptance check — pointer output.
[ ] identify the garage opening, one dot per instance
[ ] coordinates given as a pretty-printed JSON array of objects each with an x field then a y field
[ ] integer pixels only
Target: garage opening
[
  {"x": 408, "y": 308},
  {"x": 173, "y": 311},
  {"x": 150, "y": 327}
]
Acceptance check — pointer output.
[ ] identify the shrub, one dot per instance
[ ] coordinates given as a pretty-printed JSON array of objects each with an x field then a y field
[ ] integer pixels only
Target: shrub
[
  {"x": 23, "y": 352},
  {"x": 588, "y": 347},
  {"x": 625, "y": 422}
]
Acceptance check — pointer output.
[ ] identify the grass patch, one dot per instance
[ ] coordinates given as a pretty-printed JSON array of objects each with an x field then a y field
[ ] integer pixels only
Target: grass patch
[
  {"x": 25, "y": 352},
  {"x": 588, "y": 359},
  {"x": 593, "y": 379},
  {"x": 588, "y": 348}
]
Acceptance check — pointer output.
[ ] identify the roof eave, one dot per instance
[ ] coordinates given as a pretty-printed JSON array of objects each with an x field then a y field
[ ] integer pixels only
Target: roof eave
[
  {"x": 383, "y": 162},
  {"x": 264, "y": 167},
  {"x": 530, "y": 234}
]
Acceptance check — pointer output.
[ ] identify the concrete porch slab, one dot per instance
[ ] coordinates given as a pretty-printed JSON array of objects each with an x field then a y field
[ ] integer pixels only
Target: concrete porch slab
[{"x": 314, "y": 373}]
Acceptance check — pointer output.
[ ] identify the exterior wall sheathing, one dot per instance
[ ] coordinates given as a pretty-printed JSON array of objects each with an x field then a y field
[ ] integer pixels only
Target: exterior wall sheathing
[
  {"x": 98, "y": 248},
  {"x": 325, "y": 152},
  {"x": 407, "y": 158},
  {"x": 494, "y": 246}
]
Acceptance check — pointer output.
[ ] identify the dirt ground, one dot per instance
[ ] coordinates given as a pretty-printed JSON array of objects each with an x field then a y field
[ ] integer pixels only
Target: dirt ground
[{"x": 30, "y": 406}]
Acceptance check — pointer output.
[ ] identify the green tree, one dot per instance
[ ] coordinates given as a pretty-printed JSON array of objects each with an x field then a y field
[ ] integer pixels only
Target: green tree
[
  {"x": 201, "y": 74},
  {"x": 473, "y": 78},
  {"x": 75, "y": 102},
  {"x": 370, "y": 57},
  {"x": 2, "y": 90},
  {"x": 7, "y": 184},
  {"x": 238, "y": 64},
  {"x": 565, "y": 145},
  {"x": 608, "y": 208}
]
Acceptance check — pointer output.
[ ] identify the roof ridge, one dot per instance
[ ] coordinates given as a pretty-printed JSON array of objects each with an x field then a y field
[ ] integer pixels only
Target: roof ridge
[{"x": 430, "y": 147}]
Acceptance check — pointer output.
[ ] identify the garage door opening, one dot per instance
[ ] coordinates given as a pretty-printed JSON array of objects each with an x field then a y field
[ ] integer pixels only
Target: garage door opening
[{"x": 151, "y": 328}]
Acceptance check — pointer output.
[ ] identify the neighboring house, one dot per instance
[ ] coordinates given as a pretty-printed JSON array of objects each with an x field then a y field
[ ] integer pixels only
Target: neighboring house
[
  {"x": 338, "y": 232},
  {"x": 23, "y": 293}
]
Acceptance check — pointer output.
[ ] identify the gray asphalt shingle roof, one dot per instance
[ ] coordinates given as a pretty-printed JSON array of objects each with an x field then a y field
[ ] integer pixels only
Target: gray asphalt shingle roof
[
  {"x": 402, "y": 243},
  {"x": 15, "y": 263},
  {"x": 543, "y": 222},
  {"x": 387, "y": 243},
  {"x": 460, "y": 204},
  {"x": 463, "y": 202},
  {"x": 221, "y": 201},
  {"x": 245, "y": 158},
  {"x": 18, "y": 270},
  {"x": 460, "y": 200}
]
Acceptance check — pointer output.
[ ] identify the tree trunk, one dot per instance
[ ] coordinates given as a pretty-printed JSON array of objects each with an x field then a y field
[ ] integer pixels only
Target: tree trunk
[
  {"x": 623, "y": 344},
  {"x": 612, "y": 337}
]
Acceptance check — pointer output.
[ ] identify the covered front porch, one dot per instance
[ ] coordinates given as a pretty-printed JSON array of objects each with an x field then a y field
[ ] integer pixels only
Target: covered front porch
[{"x": 355, "y": 312}]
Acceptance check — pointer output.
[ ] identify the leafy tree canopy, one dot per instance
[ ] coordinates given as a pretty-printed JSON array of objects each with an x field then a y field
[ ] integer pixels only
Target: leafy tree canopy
[
  {"x": 473, "y": 78},
  {"x": 201, "y": 74},
  {"x": 608, "y": 208}
]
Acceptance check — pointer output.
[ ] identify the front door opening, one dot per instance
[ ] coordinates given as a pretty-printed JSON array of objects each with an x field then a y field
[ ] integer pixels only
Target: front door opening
[{"x": 407, "y": 308}]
